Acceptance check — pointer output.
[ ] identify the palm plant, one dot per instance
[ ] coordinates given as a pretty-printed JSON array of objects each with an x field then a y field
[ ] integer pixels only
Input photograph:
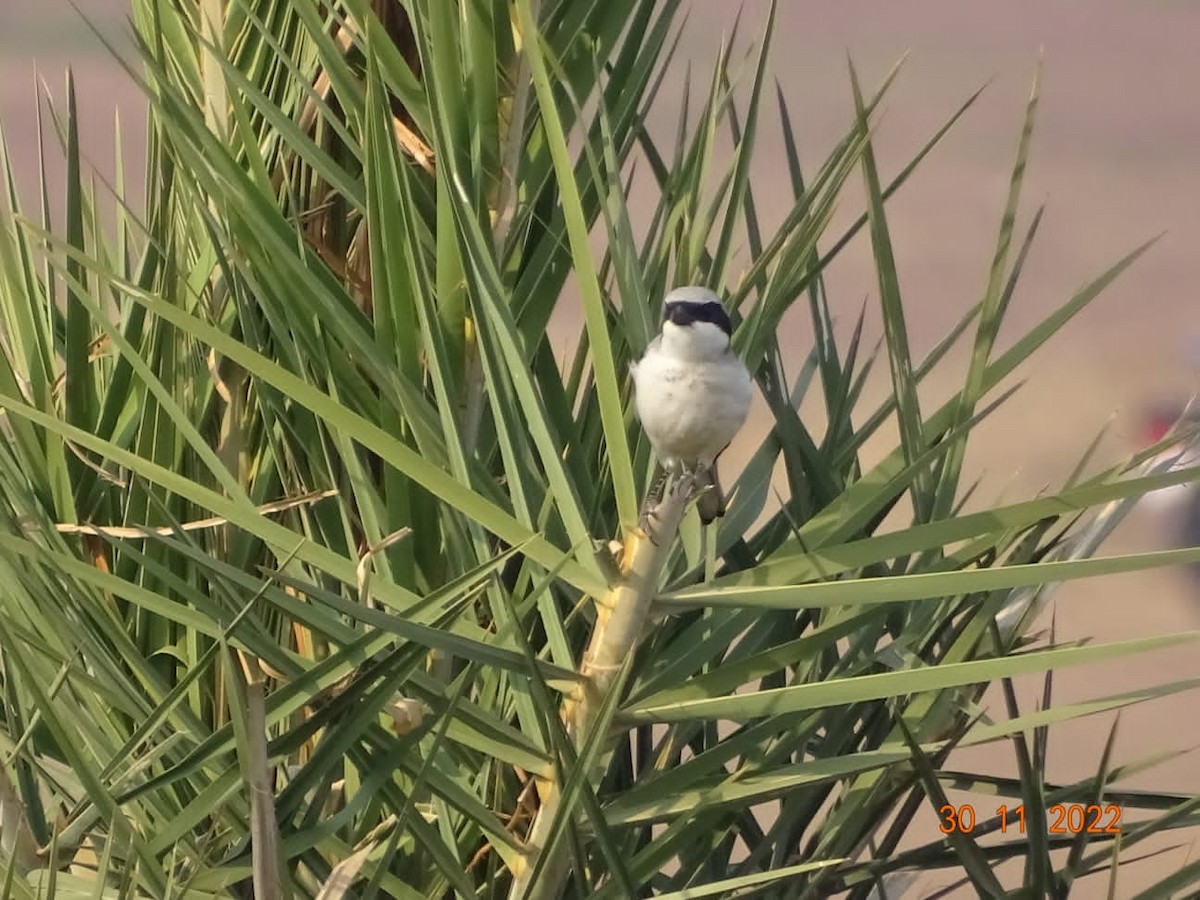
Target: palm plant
[{"x": 323, "y": 576}]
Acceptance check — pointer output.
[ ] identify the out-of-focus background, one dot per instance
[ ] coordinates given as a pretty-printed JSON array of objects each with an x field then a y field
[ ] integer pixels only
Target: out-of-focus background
[{"x": 1115, "y": 161}]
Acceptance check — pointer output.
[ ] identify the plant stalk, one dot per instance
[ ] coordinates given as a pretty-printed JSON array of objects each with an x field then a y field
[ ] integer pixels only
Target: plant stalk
[{"x": 621, "y": 618}]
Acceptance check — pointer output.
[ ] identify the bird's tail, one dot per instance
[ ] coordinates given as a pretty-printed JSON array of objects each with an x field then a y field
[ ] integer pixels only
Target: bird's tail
[{"x": 710, "y": 502}]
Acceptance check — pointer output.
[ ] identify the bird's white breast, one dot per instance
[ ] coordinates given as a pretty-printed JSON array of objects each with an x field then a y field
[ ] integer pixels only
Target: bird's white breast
[{"x": 690, "y": 409}]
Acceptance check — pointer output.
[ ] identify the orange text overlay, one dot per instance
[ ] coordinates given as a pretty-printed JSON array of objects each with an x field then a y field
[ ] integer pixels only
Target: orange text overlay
[{"x": 1061, "y": 818}]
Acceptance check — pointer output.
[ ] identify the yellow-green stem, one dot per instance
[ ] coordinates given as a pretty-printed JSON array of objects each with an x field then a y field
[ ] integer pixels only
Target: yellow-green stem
[{"x": 621, "y": 617}]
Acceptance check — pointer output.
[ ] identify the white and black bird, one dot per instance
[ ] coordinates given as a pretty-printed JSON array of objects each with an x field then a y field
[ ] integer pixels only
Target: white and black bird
[{"x": 692, "y": 392}]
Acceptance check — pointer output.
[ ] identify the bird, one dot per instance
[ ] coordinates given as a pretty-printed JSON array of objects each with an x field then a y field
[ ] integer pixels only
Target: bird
[{"x": 692, "y": 392}]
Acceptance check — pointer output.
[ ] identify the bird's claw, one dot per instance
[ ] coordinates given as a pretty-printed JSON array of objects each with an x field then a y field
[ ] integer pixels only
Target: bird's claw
[
  {"x": 668, "y": 488},
  {"x": 683, "y": 486},
  {"x": 646, "y": 523},
  {"x": 653, "y": 498},
  {"x": 673, "y": 486}
]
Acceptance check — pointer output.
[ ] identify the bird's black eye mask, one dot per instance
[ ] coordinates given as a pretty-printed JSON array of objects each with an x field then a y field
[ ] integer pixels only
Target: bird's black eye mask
[{"x": 685, "y": 312}]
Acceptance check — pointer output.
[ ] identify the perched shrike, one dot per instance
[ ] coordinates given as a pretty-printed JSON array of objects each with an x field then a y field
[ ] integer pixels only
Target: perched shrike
[{"x": 692, "y": 392}]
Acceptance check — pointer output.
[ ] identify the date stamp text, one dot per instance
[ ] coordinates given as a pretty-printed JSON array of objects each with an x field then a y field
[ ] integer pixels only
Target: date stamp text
[{"x": 1061, "y": 818}]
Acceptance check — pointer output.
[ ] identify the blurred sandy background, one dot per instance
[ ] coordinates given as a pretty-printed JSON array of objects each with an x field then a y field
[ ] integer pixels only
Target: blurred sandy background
[{"x": 1115, "y": 159}]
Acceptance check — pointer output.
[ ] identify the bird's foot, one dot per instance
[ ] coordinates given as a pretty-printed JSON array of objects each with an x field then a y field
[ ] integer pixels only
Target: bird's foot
[
  {"x": 647, "y": 516},
  {"x": 646, "y": 521},
  {"x": 675, "y": 485},
  {"x": 684, "y": 486}
]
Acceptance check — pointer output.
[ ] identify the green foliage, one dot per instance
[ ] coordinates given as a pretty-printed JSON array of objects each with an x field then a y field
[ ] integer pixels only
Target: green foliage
[{"x": 304, "y": 526}]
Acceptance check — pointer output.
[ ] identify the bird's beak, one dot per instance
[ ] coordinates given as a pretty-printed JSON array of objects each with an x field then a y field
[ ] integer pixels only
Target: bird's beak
[{"x": 678, "y": 314}]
